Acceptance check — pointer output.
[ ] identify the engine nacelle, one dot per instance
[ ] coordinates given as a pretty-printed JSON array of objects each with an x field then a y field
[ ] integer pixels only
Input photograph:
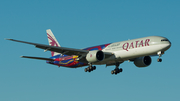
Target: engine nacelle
[
  {"x": 95, "y": 56},
  {"x": 142, "y": 61}
]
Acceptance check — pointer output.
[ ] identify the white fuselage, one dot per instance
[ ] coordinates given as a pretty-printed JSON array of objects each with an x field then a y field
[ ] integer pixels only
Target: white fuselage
[{"x": 131, "y": 49}]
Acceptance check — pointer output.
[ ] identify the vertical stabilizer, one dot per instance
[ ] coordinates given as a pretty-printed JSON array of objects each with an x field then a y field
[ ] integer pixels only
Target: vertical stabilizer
[{"x": 52, "y": 41}]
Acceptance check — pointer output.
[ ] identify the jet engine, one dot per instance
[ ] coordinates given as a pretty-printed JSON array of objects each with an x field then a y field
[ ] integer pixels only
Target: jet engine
[
  {"x": 142, "y": 61},
  {"x": 95, "y": 56}
]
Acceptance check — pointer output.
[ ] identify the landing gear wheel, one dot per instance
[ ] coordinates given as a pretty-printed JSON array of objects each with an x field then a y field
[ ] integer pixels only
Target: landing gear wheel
[
  {"x": 112, "y": 72},
  {"x": 88, "y": 69},
  {"x": 120, "y": 70},
  {"x": 94, "y": 67},
  {"x": 117, "y": 71},
  {"x": 159, "y": 60},
  {"x": 91, "y": 68}
]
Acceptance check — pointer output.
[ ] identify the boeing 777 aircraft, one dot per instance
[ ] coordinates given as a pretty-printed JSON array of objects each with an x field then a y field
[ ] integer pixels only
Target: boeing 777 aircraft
[{"x": 136, "y": 50}]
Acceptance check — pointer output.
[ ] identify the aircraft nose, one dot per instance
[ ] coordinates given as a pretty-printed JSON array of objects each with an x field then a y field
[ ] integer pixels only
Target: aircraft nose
[
  {"x": 166, "y": 42},
  {"x": 169, "y": 44}
]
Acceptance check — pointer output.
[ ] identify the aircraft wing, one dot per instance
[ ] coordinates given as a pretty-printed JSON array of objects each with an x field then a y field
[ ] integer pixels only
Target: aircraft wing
[{"x": 63, "y": 50}]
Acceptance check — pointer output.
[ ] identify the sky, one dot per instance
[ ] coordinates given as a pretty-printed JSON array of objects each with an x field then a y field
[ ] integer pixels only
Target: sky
[{"x": 80, "y": 24}]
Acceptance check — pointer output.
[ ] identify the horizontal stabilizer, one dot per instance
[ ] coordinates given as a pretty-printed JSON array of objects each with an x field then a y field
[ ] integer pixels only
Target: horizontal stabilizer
[{"x": 39, "y": 58}]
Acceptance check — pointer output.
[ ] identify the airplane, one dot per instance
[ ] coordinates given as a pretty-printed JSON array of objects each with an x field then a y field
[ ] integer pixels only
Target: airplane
[{"x": 138, "y": 51}]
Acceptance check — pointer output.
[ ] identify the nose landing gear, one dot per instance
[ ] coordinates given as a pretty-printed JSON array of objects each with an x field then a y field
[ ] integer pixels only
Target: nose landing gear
[
  {"x": 160, "y": 54},
  {"x": 159, "y": 60}
]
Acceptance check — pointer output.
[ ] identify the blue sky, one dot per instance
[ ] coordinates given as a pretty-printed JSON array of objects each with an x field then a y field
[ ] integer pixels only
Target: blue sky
[{"x": 80, "y": 24}]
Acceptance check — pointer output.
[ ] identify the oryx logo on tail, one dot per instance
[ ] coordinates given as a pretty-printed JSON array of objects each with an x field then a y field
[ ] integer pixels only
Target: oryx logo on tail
[{"x": 52, "y": 41}]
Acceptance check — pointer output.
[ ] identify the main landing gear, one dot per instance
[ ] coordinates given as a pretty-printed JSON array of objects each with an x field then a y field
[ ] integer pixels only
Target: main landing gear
[
  {"x": 160, "y": 54},
  {"x": 90, "y": 68},
  {"x": 116, "y": 70}
]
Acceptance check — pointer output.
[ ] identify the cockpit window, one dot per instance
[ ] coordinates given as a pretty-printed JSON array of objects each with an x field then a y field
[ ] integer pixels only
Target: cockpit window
[{"x": 164, "y": 40}]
